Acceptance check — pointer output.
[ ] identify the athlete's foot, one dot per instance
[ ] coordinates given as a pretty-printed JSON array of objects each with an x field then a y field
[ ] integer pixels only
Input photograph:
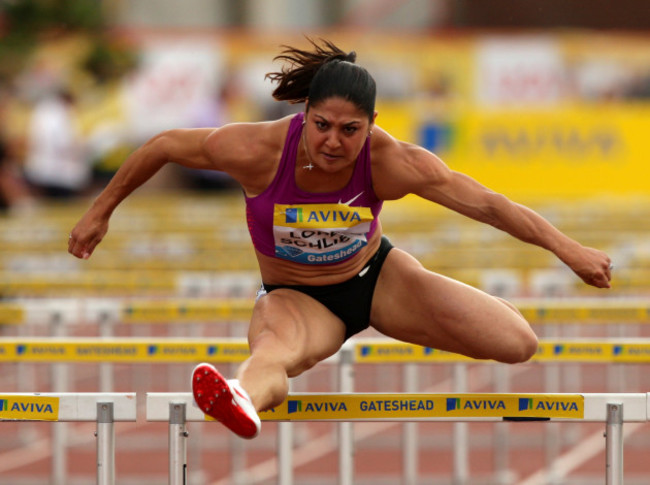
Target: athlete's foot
[{"x": 225, "y": 400}]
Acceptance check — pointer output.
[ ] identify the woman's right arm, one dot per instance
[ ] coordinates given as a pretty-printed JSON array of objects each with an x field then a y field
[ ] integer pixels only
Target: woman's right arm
[
  {"x": 204, "y": 148},
  {"x": 412, "y": 169}
]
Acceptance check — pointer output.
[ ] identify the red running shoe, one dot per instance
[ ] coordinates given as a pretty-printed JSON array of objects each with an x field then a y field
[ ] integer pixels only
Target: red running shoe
[{"x": 225, "y": 400}]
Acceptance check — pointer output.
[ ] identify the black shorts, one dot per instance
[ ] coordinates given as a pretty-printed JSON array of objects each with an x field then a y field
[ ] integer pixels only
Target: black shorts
[{"x": 351, "y": 300}]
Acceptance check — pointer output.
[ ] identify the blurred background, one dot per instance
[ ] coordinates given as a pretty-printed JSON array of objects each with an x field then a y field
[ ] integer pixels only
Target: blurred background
[
  {"x": 547, "y": 101},
  {"x": 532, "y": 98}
]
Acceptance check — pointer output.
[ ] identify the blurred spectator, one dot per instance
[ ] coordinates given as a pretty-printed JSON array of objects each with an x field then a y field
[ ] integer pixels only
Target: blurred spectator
[
  {"x": 13, "y": 191},
  {"x": 639, "y": 86},
  {"x": 56, "y": 165},
  {"x": 5, "y": 185}
]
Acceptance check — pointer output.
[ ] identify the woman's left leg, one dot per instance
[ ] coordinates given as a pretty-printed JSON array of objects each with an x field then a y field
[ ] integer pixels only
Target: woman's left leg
[
  {"x": 289, "y": 333},
  {"x": 415, "y": 305}
]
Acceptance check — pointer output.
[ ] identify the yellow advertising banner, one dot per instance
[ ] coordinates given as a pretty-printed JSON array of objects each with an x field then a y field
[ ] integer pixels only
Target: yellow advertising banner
[
  {"x": 29, "y": 408},
  {"x": 344, "y": 407},
  {"x": 132, "y": 352},
  {"x": 565, "y": 151}
]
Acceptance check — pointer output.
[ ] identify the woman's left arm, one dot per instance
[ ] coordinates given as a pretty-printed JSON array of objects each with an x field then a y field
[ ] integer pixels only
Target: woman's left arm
[{"x": 422, "y": 173}]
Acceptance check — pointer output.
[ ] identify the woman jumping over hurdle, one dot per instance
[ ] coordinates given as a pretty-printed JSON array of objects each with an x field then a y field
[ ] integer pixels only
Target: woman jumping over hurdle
[{"x": 314, "y": 184}]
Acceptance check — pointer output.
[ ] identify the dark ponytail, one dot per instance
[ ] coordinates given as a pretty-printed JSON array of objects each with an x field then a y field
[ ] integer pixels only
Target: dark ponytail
[{"x": 324, "y": 72}]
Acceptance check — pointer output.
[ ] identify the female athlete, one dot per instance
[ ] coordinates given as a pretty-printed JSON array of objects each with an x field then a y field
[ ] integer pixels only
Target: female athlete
[{"x": 314, "y": 184}]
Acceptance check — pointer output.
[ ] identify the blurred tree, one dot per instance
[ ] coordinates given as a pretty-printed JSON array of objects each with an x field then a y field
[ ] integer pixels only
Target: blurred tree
[
  {"x": 108, "y": 59},
  {"x": 25, "y": 23}
]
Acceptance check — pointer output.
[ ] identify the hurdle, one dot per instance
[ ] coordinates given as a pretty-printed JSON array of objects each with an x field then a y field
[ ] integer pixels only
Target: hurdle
[
  {"x": 383, "y": 351},
  {"x": 612, "y": 409},
  {"x": 103, "y": 408},
  {"x": 358, "y": 351}
]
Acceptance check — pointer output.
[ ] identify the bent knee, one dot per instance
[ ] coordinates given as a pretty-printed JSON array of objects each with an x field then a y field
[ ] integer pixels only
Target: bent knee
[
  {"x": 521, "y": 350},
  {"x": 524, "y": 344}
]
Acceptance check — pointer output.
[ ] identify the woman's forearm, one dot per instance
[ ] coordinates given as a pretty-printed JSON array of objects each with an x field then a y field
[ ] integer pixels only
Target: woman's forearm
[
  {"x": 137, "y": 169},
  {"x": 529, "y": 226}
]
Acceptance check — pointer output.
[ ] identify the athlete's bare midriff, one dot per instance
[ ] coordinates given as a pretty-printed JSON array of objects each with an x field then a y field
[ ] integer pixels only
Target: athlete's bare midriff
[{"x": 276, "y": 271}]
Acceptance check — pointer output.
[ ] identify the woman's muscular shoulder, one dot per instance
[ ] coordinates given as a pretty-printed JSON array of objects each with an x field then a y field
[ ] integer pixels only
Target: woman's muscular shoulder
[
  {"x": 249, "y": 152},
  {"x": 398, "y": 167}
]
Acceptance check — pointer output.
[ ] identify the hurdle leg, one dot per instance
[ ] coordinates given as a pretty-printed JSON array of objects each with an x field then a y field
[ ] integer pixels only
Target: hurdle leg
[
  {"x": 196, "y": 473},
  {"x": 105, "y": 444},
  {"x": 410, "y": 432},
  {"x": 60, "y": 383},
  {"x": 177, "y": 444},
  {"x": 552, "y": 436},
  {"x": 237, "y": 453},
  {"x": 285, "y": 451},
  {"x": 26, "y": 382},
  {"x": 346, "y": 437},
  {"x": 503, "y": 475},
  {"x": 106, "y": 383},
  {"x": 614, "y": 444},
  {"x": 460, "y": 433}
]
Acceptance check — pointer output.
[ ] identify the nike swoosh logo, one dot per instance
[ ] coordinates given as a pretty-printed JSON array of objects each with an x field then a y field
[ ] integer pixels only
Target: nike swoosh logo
[{"x": 352, "y": 199}]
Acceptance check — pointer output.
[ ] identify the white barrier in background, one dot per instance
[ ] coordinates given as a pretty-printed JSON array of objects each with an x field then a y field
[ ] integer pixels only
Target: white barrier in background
[
  {"x": 103, "y": 408},
  {"x": 613, "y": 409}
]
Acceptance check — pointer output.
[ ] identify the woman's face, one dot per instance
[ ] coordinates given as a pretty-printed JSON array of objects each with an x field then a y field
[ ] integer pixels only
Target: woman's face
[{"x": 334, "y": 133}]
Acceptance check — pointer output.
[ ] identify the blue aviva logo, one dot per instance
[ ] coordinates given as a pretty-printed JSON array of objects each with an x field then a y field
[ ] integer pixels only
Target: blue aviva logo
[
  {"x": 4, "y": 405},
  {"x": 525, "y": 403},
  {"x": 293, "y": 215},
  {"x": 453, "y": 403},
  {"x": 294, "y": 406}
]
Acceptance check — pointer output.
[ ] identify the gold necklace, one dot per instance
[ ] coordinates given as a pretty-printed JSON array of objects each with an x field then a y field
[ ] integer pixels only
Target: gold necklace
[{"x": 309, "y": 166}]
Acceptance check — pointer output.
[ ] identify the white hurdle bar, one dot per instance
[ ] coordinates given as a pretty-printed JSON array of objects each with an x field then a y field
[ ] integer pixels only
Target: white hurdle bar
[
  {"x": 103, "y": 408},
  {"x": 612, "y": 409}
]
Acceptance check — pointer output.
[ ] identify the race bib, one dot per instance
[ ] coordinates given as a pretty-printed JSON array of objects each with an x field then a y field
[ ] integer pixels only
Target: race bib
[{"x": 319, "y": 233}]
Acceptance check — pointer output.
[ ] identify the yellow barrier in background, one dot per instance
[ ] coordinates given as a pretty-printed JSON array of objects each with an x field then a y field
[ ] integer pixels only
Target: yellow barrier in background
[
  {"x": 234, "y": 350},
  {"x": 192, "y": 310}
]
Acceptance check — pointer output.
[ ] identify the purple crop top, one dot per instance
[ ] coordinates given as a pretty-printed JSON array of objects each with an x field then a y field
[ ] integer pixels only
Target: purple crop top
[{"x": 313, "y": 228}]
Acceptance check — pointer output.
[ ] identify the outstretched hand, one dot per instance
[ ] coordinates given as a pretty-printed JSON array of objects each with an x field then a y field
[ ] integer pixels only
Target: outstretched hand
[
  {"x": 86, "y": 235},
  {"x": 592, "y": 265}
]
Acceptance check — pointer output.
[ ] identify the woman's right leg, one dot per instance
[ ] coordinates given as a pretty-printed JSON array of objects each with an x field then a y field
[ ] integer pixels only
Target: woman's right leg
[{"x": 289, "y": 333}]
